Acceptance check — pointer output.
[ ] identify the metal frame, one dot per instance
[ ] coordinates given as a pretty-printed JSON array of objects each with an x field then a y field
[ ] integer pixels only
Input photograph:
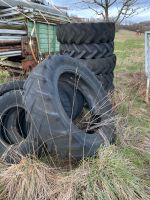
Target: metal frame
[{"x": 147, "y": 63}]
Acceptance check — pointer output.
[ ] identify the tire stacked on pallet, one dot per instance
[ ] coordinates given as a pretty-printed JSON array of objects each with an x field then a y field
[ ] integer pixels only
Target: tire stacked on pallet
[{"x": 93, "y": 44}]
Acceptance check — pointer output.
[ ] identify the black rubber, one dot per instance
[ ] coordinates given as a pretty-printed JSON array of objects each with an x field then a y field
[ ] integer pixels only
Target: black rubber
[
  {"x": 101, "y": 65},
  {"x": 88, "y": 51},
  {"x": 12, "y": 85},
  {"x": 51, "y": 126},
  {"x": 86, "y": 33},
  {"x": 72, "y": 99},
  {"x": 107, "y": 81},
  {"x": 13, "y": 126}
]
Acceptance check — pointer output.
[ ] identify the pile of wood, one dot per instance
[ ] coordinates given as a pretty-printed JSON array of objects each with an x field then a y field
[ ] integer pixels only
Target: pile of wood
[{"x": 10, "y": 38}]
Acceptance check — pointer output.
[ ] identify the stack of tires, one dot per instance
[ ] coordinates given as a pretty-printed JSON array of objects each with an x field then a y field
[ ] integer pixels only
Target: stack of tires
[
  {"x": 93, "y": 44},
  {"x": 62, "y": 108}
]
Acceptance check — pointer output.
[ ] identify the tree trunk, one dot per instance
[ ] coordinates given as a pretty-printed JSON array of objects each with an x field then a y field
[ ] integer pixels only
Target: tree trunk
[
  {"x": 106, "y": 10},
  {"x": 106, "y": 15}
]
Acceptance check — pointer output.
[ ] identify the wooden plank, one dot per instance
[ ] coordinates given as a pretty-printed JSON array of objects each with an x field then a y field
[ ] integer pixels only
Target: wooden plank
[
  {"x": 13, "y": 32},
  {"x": 11, "y": 64},
  {"x": 12, "y": 26}
]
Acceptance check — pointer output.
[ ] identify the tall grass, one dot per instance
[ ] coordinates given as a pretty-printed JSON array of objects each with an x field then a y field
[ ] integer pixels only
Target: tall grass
[{"x": 108, "y": 176}]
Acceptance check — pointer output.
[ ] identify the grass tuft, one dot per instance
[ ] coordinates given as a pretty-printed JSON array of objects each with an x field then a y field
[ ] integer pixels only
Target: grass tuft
[
  {"x": 30, "y": 179},
  {"x": 112, "y": 176}
]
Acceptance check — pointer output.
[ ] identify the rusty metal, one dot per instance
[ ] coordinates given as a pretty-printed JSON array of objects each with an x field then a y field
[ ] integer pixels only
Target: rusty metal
[
  {"x": 10, "y": 48},
  {"x": 9, "y": 42},
  {"x": 28, "y": 63}
]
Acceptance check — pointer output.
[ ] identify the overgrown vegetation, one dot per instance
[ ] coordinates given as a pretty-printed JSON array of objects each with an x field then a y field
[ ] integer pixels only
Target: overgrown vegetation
[
  {"x": 120, "y": 172},
  {"x": 114, "y": 174}
]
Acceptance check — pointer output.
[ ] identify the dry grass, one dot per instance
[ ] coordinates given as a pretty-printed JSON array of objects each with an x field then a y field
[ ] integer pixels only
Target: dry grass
[
  {"x": 109, "y": 176},
  {"x": 31, "y": 180},
  {"x": 138, "y": 82}
]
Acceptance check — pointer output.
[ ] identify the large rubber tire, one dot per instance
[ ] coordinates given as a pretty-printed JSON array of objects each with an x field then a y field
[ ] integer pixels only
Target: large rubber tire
[
  {"x": 86, "y": 33},
  {"x": 107, "y": 81},
  {"x": 72, "y": 99},
  {"x": 88, "y": 51},
  {"x": 12, "y": 85},
  {"x": 101, "y": 65},
  {"x": 50, "y": 124},
  {"x": 13, "y": 126}
]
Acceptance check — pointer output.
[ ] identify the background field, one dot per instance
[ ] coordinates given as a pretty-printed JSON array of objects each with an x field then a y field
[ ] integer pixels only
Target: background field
[{"x": 130, "y": 80}]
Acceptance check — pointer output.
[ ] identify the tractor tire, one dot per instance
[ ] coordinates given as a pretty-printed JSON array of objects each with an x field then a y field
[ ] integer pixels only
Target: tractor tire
[
  {"x": 100, "y": 65},
  {"x": 12, "y": 85},
  {"x": 13, "y": 126},
  {"x": 88, "y": 51},
  {"x": 72, "y": 99},
  {"x": 86, "y": 33},
  {"x": 50, "y": 125},
  {"x": 107, "y": 81}
]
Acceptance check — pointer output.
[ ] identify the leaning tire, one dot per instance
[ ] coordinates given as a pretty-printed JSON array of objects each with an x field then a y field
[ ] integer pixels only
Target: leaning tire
[
  {"x": 72, "y": 99},
  {"x": 88, "y": 51},
  {"x": 51, "y": 126},
  {"x": 107, "y": 81},
  {"x": 13, "y": 127},
  {"x": 12, "y": 85},
  {"x": 85, "y": 33}
]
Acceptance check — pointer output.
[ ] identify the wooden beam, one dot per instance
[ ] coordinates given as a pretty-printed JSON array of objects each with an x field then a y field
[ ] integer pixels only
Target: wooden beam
[{"x": 11, "y": 64}]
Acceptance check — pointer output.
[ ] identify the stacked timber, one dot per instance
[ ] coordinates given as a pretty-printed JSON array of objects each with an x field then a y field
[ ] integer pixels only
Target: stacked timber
[{"x": 10, "y": 38}]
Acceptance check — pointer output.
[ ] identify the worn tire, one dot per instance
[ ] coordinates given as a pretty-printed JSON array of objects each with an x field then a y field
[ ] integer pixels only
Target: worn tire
[
  {"x": 12, "y": 85},
  {"x": 86, "y": 33},
  {"x": 51, "y": 126},
  {"x": 13, "y": 127},
  {"x": 88, "y": 51},
  {"x": 107, "y": 81},
  {"x": 72, "y": 100},
  {"x": 100, "y": 65},
  {"x": 12, "y": 111},
  {"x": 10, "y": 96}
]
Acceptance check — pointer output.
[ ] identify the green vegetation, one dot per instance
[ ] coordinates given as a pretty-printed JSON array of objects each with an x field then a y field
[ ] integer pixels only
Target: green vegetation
[
  {"x": 131, "y": 82},
  {"x": 4, "y": 76},
  {"x": 130, "y": 52}
]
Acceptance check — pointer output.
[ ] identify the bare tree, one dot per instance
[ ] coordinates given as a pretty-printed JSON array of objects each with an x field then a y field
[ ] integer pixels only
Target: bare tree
[{"x": 124, "y": 8}]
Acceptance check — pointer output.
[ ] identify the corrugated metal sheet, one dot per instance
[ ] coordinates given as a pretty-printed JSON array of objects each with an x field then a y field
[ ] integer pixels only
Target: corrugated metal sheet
[{"x": 25, "y": 3}]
